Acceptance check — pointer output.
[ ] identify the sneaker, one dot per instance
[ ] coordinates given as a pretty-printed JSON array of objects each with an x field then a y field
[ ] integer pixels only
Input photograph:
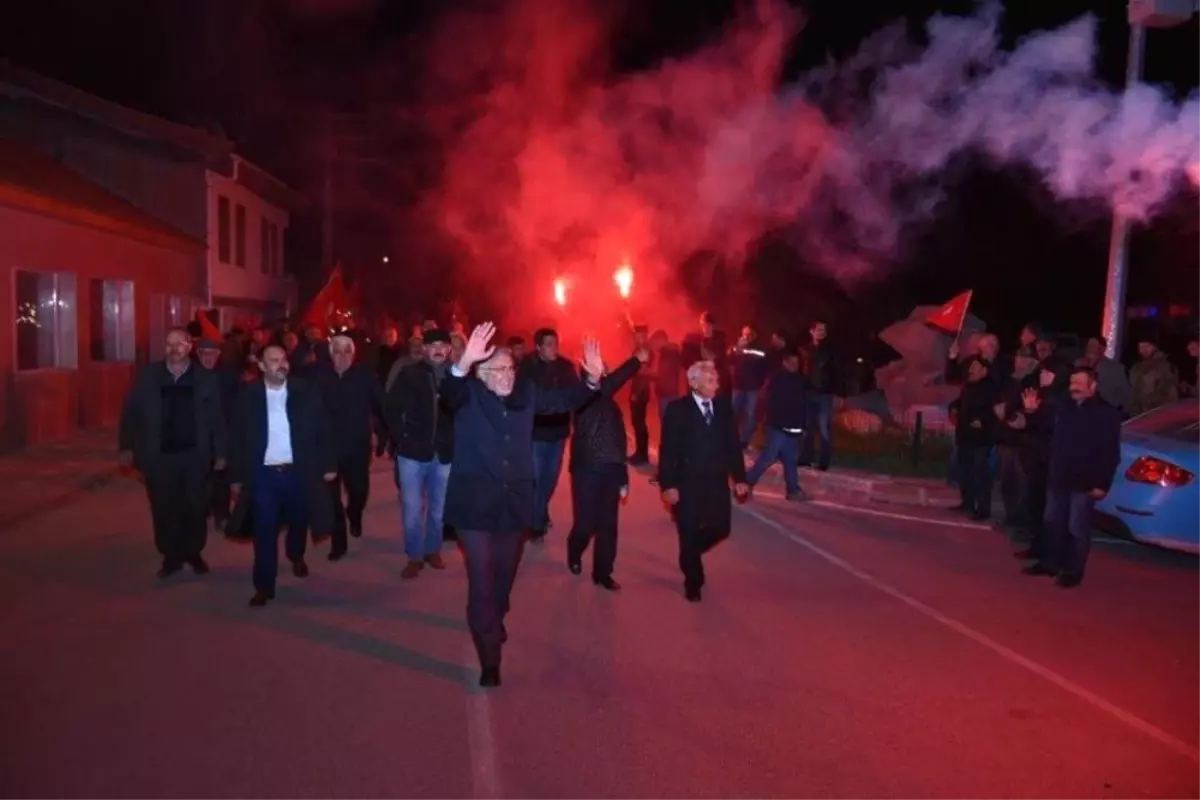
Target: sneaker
[
  {"x": 435, "y": 561},
  {"x": 412, "y": 569}
]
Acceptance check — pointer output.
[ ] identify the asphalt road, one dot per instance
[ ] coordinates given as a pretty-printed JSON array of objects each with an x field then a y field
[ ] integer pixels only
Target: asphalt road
[{"x": 836, "y": 653}]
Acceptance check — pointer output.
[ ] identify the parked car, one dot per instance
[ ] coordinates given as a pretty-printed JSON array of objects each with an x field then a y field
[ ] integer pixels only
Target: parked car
[{"x": 1156, "y": 495}]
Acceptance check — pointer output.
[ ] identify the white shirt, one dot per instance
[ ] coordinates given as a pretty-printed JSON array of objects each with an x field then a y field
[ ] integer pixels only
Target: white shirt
[
  {"x": 279, "y": 430},
  {"x": 700, "y": 404}
]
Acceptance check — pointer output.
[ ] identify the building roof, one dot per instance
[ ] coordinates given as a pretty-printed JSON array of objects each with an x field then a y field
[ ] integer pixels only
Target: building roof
[
  {"x": 267, "y": 186},
  {"x": 35, "y": 182},
  {"x": 17, "y": 82}
]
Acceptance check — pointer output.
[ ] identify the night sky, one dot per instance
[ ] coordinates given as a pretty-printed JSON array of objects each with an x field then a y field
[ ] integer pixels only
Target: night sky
[{"x": 264, "y": 71}]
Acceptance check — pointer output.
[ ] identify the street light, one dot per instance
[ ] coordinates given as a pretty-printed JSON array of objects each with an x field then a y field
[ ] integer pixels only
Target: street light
[
  {"x": 385, "y": 259},
  {"x": 1142, "y": 14}
]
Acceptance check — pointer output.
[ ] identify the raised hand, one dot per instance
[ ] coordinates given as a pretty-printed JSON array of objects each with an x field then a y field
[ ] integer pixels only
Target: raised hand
[
  {"x": 479, "y": 346},
  {"x": 592, "y": 361},
  {"x": 1031, "y": 400}
]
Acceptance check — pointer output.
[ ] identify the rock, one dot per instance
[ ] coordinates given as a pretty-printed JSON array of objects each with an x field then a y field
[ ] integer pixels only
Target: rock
[{"x": 917, "y": 377}]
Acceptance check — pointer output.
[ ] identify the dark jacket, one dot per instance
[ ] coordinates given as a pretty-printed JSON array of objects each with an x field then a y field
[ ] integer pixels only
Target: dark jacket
[
  {"x": 354, "y": 402},
  {"x": 420, "y": 420},
  {"x": 822, "y": 368},
  {"x": 717, "y": 345},
  {"x": 1033, "y": 441},
  {"x": 1085, "y": 447},
  {"x": 491, "y": 484},
  {"x": 787, "y": 394},
  {"x": 750, "y": 368},
  {"x": 385, "y": 356},
  {"x": 313, "y": 449},
  {"x": 550, "y": 376},
  {"x": 141, "y": 424},
  {"x": 668, "y": 372},
  {"x": 977, "y": 404},
  {"x": 699, "y": 460},
  {"x": 599, "y": 438}
]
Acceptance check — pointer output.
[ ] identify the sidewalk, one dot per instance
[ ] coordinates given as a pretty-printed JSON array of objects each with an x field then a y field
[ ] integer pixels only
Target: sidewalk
[{"x": 42, "y": 477}]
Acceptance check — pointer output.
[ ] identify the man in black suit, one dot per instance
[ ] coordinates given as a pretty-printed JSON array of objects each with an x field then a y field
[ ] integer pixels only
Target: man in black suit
[
  {"x": 489, "y": 497},
  {"x": 699, "y": 456},
  {"x": 173, "y": 431},
  {"x": 283, "y": 454}
]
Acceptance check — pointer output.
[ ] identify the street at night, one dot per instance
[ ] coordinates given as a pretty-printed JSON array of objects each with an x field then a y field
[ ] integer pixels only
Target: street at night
[{"x": 837, "y": 652}]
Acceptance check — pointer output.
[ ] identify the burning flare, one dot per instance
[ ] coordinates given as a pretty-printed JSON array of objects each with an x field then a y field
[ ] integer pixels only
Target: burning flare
[
  {"x": 560, "y": 291},
  {"x": 624, "y": 279}
]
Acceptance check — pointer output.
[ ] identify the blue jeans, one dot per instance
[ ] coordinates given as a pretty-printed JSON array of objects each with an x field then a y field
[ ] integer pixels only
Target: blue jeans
[
  {"x": 745, "y": 403},
  {"x": 784, "y": 447},
  {"x": 820, "y": 414},
  {"x": 547, "y": 466},
  {"x": 1067, "y": 533},
  {"x": 277, "y": 493},
  {"x": 422, "y": 503}
]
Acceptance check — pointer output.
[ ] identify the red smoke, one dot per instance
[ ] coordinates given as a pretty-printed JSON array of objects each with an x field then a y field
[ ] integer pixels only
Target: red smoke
[{"x": 554, "y": 166}]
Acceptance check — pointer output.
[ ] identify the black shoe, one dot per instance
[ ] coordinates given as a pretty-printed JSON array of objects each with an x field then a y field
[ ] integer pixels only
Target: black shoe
[
  {"x": 490, "y": 677},
  {"x": 574, "y": 565},
  {"x": 797, "y": 497},
  {"x": 356, "y": 529},
  {"x": 692, "y": 594},
  {"x": 299, "y": 568},
  {"x": 960, "y": 508},
  {"x": 979, "y": 516},
  {"x": 1025, "y": 554},
  {"x": 1037, "y": 568},
  {"x": 337, "y": 555},
  {"x": 168, "y": 569},
  {"x": 198, "y": 565},
  {"x": 607, "y": 583},
  {"x": 1066, "y": 581},
  {"x": 261, "y": 598}
]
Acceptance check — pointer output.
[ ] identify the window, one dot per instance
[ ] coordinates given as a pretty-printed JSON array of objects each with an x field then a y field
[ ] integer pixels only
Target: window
[
  {"x": 239, "y": 238},
  {"x": 264, "y": 244},
  {"x": 223, "y": 248},
  {"x": 276, "y": 251},
  {"x": 113, "y": 321},
  {"x": 1178, "y": 421},
  {"x": 45, "y": 320},
  {"x": 271, "y": 257}
]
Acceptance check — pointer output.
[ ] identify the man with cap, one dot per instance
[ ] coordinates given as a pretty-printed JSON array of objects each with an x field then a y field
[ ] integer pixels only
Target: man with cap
[
  {"x": 1153, "y": 379},
  {"x": 208, "y": 355},
  {"x": 422, "y": 433}
]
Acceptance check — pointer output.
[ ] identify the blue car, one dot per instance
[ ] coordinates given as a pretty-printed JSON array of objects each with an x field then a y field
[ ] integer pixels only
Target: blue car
[{"x": 1156, "y": 495}]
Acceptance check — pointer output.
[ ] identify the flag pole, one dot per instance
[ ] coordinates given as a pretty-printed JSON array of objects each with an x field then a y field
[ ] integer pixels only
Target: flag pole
[{"x": 963, "y": 319}]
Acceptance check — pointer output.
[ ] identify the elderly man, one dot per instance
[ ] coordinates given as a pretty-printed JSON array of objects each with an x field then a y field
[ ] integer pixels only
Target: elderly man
[
  {"x": 173, "y": 431},
  {"x": 283, "y": 454},
  {"x": 700, "y": 454},
  {"x": 354, "y": 402},
  {"x": 489, "y": 498},
  {"x": 422, "y": 431}
]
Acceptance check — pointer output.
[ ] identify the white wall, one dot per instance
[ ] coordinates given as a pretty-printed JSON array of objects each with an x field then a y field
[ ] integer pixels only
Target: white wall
[{"x": 249, "y": 282}]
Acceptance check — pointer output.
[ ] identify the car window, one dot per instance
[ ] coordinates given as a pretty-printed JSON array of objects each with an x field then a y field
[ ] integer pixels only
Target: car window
[{"x": 1178, "y": 421}]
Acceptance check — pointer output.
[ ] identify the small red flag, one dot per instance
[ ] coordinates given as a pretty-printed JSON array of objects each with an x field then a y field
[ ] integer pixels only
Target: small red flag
[
  {"x": 207, "y": 329},
  {"x": 951, "y": 316}
]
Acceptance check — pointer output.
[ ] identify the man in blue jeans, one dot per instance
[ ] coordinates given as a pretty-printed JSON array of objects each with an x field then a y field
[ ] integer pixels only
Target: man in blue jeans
[
  {"x": 822, "y": 385},
  {"x": 422, "y": 431},
  {"x": 1085, "y": 451},
  {"x": 786, "y": 406},
  {"x": 549, "y": 372},
  {"x": 749, "y": 377}
]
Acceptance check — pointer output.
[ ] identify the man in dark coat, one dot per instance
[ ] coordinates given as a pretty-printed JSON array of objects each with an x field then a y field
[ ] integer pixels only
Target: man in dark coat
[
  {"x": 785, "y": 420},
  {"x": 1085, "y": 451},
  {"x": 173, "y": 431},
  {"x": 549, "y": 371},
  {"x": 353, "y": 399},
  {"x": 975, "y": 436},
  {"x": 208, "y": 354},
  {"x": 489, "y": 499},
  {"x": 639, "y": 403},
  {"x": 422, "y": 430},
  {"x": 284, "y": 454},
  {"x": 699, "y": 456},
  {"x": 823, "y": 380},
  {"x": 599, "y": 476}
]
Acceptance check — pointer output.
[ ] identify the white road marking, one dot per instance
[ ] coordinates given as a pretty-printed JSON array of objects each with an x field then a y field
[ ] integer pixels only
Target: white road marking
[
  {"x": 949, "y": 523},
  {"x": 1042, "y": 671},
  {"x": 481, "y": 742}
]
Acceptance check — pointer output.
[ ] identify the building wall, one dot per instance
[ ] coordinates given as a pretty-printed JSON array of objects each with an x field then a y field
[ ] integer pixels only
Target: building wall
[
  {"x": 157, "y": 178},
  {"x": 254, "y": 285},
  {"x": 52, "y": 403}
]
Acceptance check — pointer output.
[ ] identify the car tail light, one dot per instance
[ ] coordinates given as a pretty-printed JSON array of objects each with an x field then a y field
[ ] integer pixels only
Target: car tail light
[{"x": 1148, "y": 469}]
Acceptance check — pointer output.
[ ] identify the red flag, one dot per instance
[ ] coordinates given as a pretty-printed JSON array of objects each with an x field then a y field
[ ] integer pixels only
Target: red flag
[
  {"x": 331, "y": 298},
  {"x": 950, "y": 317},
  {"x": 207, "y": 329}
]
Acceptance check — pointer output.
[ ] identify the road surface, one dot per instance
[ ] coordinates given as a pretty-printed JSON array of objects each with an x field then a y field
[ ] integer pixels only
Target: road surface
[{"x": 836, "y": 653}]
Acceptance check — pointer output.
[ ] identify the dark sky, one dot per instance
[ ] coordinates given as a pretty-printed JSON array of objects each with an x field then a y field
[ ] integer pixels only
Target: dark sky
[{"x": 262, "y": 69}]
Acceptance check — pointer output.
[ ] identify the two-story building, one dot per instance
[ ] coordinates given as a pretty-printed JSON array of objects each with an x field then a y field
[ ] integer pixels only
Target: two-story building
[{"x": 112, "y": 231}]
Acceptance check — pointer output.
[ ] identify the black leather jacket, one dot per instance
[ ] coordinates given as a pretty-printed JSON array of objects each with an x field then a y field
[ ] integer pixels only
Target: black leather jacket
[{"x": 599, "y": 437}]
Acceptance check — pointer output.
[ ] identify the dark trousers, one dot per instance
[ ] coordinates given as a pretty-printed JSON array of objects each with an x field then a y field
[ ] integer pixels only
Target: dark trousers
[
  {"x": 177, "y": 486},
  {"x": 279, "y": 494},
  {"x": 492, "y": 560},
  {"x": 596, "y": 503},
  {"x": 975, "y": 478},
  {"x": 639, "y": 404},
  {"x": 219, "y": 497},
  {"x": 1035, "y": 506},
  {"x": 1013, "y": 485},
  {"x": 820, "y": 419},
  {"x": 1068, "y": 531},
  {"x": 354, "y": 482},
  {"x": 547, "y": 466},
  {"x": 693, "y": 544}
]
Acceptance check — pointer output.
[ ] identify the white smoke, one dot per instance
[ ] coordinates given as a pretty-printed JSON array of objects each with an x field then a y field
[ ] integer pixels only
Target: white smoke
[{"x": 903, "y": 114}]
